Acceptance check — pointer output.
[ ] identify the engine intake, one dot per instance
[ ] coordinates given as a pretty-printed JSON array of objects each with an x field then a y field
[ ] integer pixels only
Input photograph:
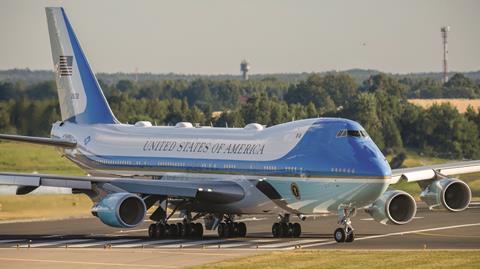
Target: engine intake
[
  {"x": 121, "y": 210},
  {"x": 393, "y": 207},
  {"x": 449, "y": 193}
]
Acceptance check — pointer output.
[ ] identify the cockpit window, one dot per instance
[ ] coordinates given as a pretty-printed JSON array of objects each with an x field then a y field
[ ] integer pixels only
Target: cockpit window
[
  {"x": 342, "y": 133},
  {"x": 351, "y": 133}
]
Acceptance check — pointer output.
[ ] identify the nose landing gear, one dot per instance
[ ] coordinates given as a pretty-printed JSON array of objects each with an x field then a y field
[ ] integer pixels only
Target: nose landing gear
[{"x": 345, "y": 233}]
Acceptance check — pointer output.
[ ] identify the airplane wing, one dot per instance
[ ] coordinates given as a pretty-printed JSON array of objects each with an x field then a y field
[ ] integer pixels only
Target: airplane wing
[
  {"x": 206, "y": 190},
  {"x": 40, "y": 140},
  {"x": 430, "y": 171}
]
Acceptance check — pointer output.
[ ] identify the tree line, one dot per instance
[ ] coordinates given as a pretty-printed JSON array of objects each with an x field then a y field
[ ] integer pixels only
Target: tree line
[{"x": 379, "y": 103}]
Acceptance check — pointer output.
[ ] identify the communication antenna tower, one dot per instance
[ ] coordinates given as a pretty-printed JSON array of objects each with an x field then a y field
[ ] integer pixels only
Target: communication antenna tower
[{"x": 444, "y": 30}]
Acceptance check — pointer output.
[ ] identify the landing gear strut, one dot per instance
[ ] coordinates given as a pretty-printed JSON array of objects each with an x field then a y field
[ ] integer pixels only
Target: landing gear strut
[
  {"x": 285, "y": 228},
  {"x": 230, "y": 228},
  {"x": 345, "y": 233}
]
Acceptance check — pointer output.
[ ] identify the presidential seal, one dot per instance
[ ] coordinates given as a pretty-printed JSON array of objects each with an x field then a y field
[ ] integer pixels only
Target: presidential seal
[{"x": 295, "y": 190}]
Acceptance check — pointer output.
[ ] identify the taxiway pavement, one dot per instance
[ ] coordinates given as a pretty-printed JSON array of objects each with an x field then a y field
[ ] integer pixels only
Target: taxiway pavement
[{"x": 73, "y": 243}]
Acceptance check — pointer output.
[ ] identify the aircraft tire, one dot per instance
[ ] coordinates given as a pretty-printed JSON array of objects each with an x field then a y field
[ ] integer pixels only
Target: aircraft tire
[
  {"x": 198, "y": 229},
  {"x": 236, "y": 231},
  {"x": 339, "y": 235},
  {"x": 242, "y": 229},
  {"x": 350, "y": 237},
  {"x": 276, "y": 229},
  {"x": 296, "y": 229},
  {"x": 159, "y": 230},
  {"x": 152, "y": 231},
  {"x": 180, "y": 229},
  {"x": 221, "y": 230},
  {"x": 284, "y": 230}
]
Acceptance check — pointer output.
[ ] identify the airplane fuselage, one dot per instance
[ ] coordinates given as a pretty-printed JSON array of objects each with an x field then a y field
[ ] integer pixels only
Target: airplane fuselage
[{"x": 306, "y": 167}]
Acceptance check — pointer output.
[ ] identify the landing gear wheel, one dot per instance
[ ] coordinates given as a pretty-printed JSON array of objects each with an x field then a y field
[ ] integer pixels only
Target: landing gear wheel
[
  {"x": 172, "y": 230},
  {"x": 160, "y": 231},
  {"x": 187, "y": 230},
  {"x": 284, "y": 230},
  {"x": 228, "y": 230},
  {"x": 296, "y": 229},
  {"x": 221, "y": 230},
  {"x": 339, "y": 235},
  {"x": 180, "y": 229},
  {"x": 242, "y": 229},
  {"x": 235, "y": 229},
  {"x": 276, "y": 230},
  {"x": 151, "y": 231},
  {"x": 350, "y": 237},
  {"x": 197, "y": 229}
]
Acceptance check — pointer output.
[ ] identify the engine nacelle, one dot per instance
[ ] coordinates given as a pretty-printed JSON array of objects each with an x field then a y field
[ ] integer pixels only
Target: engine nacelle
[
  {"x": 449, "y": 193},
  {"x": 393, "y": 207},
  {"x": 121, "y": 210}
]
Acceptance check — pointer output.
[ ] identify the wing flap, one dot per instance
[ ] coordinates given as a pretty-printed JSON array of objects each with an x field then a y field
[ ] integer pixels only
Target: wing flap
[
  {"x": 20, "y": 180},
  {"x": 213, "y": 191}
]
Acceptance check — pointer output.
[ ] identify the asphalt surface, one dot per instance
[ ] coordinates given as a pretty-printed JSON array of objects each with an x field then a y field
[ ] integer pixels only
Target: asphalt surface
[{"x": 71, "y": 243}]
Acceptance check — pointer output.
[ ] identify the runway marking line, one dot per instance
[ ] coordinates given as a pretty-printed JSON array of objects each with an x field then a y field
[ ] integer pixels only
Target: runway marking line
[
  {"x": 450, "y": 235},
  {"x": 98, "y": 243},
  {"x": 397, "y": 233},
  {"x": 186, "y": 251},
  {"x": 88, "y": 263},
  {"x": 54, "y": 243}
]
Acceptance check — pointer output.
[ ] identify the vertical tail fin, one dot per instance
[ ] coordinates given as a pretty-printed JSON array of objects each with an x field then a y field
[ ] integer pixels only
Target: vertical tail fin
[{"x": 81, "y": 98}]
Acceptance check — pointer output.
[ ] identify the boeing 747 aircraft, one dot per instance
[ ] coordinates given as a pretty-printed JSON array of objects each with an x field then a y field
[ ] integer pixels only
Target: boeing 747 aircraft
[{"x": 293, "y": 170}]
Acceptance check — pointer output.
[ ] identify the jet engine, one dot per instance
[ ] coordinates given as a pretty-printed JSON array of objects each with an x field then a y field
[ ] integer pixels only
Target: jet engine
[
  {"x": 449, "y": 193},
  {"x": 393, "y": 207},
  {"x": 121, "y": 210}
]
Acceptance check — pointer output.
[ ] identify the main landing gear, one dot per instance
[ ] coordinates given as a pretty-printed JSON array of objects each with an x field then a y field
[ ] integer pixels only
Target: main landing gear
[
  {"x": 345, "y": 233},
  {"x": 232, "y": 229},
  {"x": 165, "y": 230},
  {"x": 284, "y": 228}
]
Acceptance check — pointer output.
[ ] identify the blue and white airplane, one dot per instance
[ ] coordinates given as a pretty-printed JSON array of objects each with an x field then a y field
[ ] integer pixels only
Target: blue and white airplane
[{"x": 296, "y": 169}]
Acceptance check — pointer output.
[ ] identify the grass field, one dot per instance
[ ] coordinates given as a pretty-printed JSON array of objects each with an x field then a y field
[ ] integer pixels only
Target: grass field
[
  {"x": 28, "y": 158},
  {"x": 460, "y": 104},
  {"x": 44, "y": 206},
  {"x": 350, "y": 259}
]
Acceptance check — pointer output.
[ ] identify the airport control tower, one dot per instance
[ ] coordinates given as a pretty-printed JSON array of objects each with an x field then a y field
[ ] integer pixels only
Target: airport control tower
[{"x": 244, "y": 67}]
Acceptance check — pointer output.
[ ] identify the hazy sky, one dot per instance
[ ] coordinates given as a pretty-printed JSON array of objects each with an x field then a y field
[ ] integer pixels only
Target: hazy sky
[{"x": 211, "y": 37}]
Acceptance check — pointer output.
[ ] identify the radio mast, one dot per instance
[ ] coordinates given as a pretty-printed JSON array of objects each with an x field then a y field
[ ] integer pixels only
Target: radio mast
[{"x": 444, "y": 30}]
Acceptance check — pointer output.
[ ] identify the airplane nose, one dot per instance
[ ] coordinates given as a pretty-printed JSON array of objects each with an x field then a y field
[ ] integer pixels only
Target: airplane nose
[
  {"x": 372, "y": 161},
  {"x": 380, "y": 164}
]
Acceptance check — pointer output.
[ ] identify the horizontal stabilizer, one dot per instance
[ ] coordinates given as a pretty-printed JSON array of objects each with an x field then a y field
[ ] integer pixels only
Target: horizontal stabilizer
[{"x": 39, "y": 140}]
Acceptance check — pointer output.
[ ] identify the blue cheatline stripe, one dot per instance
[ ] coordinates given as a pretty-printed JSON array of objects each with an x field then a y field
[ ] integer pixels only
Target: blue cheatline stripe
[
  {"x": 213, "y": 166},
  {"x": 97, "y": 109}
]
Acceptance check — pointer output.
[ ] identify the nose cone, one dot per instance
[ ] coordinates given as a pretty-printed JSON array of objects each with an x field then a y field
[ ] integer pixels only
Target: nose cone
[{"x": 371, "y": 160}]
